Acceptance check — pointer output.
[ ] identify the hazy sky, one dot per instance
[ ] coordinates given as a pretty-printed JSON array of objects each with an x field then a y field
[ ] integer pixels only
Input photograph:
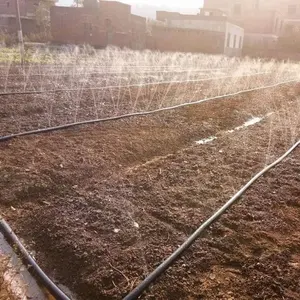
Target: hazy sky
[
  {"x": 177, "y": 3},
  {"x": 171, "y": 3}
]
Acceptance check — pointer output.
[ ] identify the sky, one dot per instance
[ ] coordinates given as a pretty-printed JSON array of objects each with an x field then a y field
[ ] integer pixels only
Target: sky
[{"x": 169, "y": 3}]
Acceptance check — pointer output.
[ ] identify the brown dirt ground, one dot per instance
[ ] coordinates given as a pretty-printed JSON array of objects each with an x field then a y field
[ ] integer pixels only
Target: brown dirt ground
[
  {"x": 4, "y": 292},
  {"x": 76, "y": 197}
]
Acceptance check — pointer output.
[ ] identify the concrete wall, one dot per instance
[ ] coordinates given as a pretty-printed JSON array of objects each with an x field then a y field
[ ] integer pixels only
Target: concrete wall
[
  {"x": 290, "y": 37},
  {"x": 138, "y": 32},
  {"x": 264, "y": 22},
  {"x": 99, "y": 27},
  {"x": 8, "y": 24},
  {"x": 291, "y": 23},
  {"x": 289, "y": 8},
  {"x": 256, "y": 16},
  {"x": 118, "y": 13},
  {"x": 210, "y": 20},
  {"x": 27, "y": 7},
  {"x": 186, "y": 40},
  {"x": 27, "y": 12},
  {"x": 232, "y": 47},
  {"x": 76, "y": 25},
  {"x": 260, "y": 41},
  {"x": 212, "y": 25}
]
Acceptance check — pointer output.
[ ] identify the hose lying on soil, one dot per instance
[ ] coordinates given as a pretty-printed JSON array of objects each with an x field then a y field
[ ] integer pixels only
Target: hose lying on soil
[
  {"x": 36, "y": 271},
  {"x": 66, "y": 126},
  {"x": 126, "y": 86},
  {"x": 108, "y": 73},
  {"x": 178, "y": 253}
]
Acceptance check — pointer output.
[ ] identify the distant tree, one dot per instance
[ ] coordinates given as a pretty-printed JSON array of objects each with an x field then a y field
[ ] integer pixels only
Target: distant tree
[
  {"x": 78, "y": 3},
  {"x": 43, "y": 14}
]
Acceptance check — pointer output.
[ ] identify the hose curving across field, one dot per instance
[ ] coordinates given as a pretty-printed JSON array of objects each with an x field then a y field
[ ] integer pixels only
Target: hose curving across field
[
  {"x": 36, "y": 271},
  {"x": 128, "y": 86},
  {"x": 137, "y": 292},
  {"x": 109, "y": 73},
  {"x": 143, "y": 113}
]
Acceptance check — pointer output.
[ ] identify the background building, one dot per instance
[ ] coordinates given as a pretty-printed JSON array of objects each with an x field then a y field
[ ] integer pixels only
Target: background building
[
  {"x": 210, "y": 31},
  {"x": 106, "y": 23},
  {"x": 237, "y": 8},
  {"x": 111, "y": 23},
  {"x": 27, "y": 11},
  {"x": 264, "y": 21}
]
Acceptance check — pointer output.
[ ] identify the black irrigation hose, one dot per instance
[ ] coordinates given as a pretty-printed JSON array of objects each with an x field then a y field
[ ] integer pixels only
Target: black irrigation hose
[
  {"x": 127, "y": 86},
  {"x": 178, "y": 253},
  {"x": 96, "y": 67},
  {"x": 106, "y": 73},
  {"x": 66, "y": 126},
  {"x": 34, "y": 268},
  {"x": 61, "y": 66}
]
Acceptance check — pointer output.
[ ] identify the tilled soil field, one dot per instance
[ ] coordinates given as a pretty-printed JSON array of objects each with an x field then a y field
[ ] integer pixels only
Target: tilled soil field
[
  {"x": 102, "y": 205},
  {"x": 35, "y": 111},
  {"x": 5, "y": 294},
  {"x": 41, "y": 80}
]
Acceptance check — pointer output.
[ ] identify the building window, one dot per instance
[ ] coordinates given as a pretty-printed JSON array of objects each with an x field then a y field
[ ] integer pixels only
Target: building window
[
  {"x": 228, "y": 40},
  {"x": 292, "y": 9},
  {"x": 7, "y": 3},
  {"x": 237, "y": 9},
  {"x": 241, "y": 42},
  {"x": 208, "y": 13},
  {"x": 234, "y": 41}
]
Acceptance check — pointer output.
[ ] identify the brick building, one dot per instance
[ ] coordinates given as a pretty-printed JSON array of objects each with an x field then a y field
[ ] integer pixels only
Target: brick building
[
  {"x": 210, "y": 31},
  {"x": 138, "y": 32},
  {"x": 240, "y": 8},
  {"x": 263, "y": 20},
  {"x": 110, "y": 23},
  {"x": 27, "y": 7},
  {"x": 27, "y": 12},
  {"x": 290, "y": 9}
]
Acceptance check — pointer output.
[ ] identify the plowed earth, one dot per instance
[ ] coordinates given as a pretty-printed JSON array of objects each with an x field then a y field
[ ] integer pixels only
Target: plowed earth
[
  {"x": 102, "y": 205},
  {"x": 4, "y": 291},
  {"x": 20, "y": 113}
]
